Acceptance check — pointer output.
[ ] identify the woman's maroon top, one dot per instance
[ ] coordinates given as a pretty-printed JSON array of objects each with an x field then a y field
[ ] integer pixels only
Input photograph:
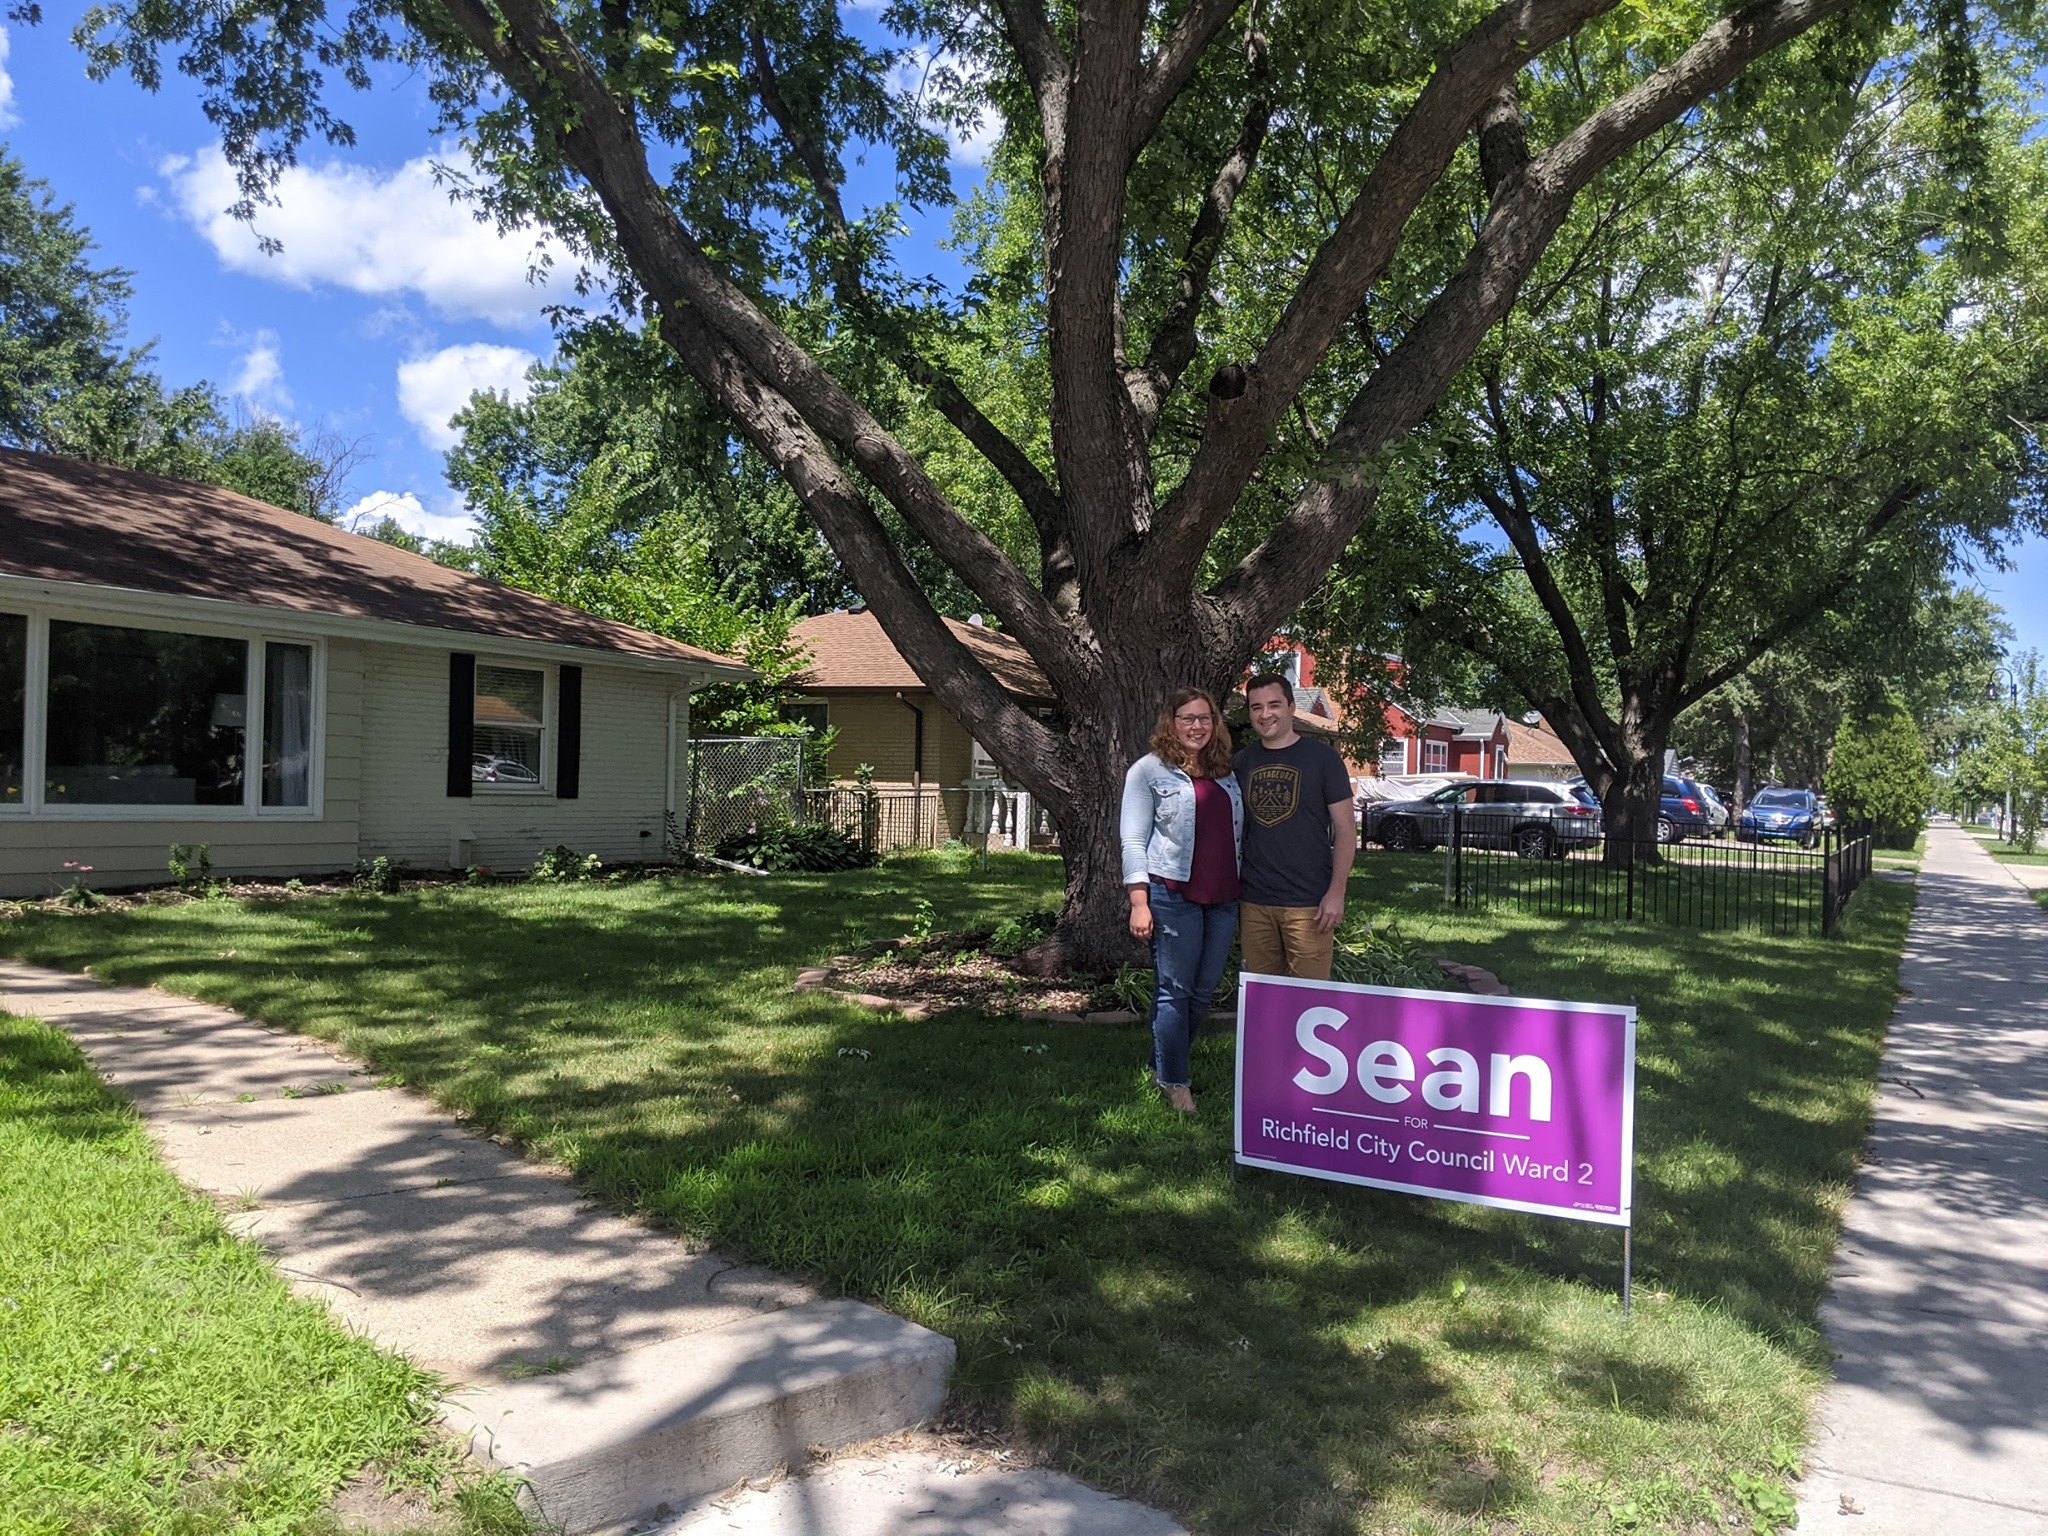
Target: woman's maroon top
[{"x": 1212, "y": 873}]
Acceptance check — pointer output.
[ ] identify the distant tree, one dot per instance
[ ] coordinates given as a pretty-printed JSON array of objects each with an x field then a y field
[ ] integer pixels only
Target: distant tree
[
  {"x": 1777, "y": 723},
  {"x": 614, "y": 396},
  {"x": 1878, "y": 773},
  {"x": 599, "y": 539},
  {"x": 2007, "y": 763},
  {"x": 71, "y": 385},
  {"x": 1755, "y": 382}
]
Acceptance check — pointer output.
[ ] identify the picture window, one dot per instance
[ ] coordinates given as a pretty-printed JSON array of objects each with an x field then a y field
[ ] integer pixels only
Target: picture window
[{"x": 510, "y": 724}]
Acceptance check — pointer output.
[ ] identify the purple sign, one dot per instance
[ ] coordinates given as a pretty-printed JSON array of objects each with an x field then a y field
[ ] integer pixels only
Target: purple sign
[{"x": 1494, "y": 1100}]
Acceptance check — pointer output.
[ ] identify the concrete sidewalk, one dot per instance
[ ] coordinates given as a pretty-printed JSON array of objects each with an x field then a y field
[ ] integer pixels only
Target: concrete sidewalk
[
  {"x": 624, "y": 1373},
  {"x": 1937, "y": 1421}
]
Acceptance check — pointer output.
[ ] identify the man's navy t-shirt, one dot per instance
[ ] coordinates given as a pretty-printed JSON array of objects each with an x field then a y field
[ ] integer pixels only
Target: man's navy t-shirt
[{"x": 1287, "y": 800}]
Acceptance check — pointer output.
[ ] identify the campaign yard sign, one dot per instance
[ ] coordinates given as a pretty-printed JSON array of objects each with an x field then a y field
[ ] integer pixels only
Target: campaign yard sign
[{"x": 1502, "y": 1101}]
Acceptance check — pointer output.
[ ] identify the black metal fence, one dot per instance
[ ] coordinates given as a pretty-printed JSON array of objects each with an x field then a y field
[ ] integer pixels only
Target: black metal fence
[{"x": 1705, "y": 883}]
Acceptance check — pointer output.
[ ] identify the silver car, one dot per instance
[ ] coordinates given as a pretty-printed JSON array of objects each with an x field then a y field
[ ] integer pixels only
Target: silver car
[{"x": 1536, "y": 820}]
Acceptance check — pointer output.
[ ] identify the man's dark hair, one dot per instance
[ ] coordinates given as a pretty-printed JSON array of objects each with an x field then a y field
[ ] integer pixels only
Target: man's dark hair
[{"x": 1268, "y": 680}]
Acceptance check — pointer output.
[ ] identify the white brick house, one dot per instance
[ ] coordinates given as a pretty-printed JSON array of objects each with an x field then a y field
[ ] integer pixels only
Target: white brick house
[{"x": 180, "y": 664}]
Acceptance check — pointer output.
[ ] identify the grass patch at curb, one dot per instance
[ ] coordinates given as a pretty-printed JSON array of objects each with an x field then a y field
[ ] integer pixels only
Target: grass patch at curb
[
  {"x": 1258, "y": 1353},
  {"x": 156, "y": 1379}
]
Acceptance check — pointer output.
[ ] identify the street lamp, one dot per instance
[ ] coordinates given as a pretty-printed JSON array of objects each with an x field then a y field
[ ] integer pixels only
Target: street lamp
[{"x": 2012, "y": 685}]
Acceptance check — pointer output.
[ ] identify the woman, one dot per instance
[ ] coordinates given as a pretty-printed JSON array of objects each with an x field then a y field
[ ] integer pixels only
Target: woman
[{"x": 1183, "y": 821}]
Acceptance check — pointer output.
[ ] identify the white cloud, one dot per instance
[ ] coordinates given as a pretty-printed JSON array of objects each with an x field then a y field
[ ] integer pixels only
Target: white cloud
[
  {"x": 919, "y": 74},
  {"x": 449, "y": 521},
  {"x": 259, "y": 380},
  {"x": 376, "y": 232},
  {"x": 433, "y": 388},
  {"x": 8, "y": 116}
]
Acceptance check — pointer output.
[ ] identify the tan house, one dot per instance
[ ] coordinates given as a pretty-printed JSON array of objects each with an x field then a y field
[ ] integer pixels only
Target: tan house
[
  {"x": 1537, "y": 752},
  {"x": 180, "y": 664},
  {"x": 937, "y": 782},
  {"x": 859, "y": 684}
]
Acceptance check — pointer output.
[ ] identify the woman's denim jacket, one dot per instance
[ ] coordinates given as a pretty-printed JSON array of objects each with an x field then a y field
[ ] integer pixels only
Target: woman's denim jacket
[{"x": 1159, "y": 821}]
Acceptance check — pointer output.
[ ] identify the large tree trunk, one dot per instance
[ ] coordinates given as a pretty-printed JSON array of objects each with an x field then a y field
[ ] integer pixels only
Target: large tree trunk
[
  {"x": 1742, "y": 772},
  {"x": 1093, "y": 936},
  {"x": 1633, "y": 801}
]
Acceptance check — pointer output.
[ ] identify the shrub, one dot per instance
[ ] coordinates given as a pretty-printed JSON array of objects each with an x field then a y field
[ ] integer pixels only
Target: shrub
[
  {"x": 810, "y": 847},
  {"x": 1370, "y": 955},
  {"x": 191, "y": 864},
  {"x": 1014, "y": 935},
  {"x": 1878, "y": 773},
  {"x": 563, "y": 863},
  {"x": 378, "y": 875}
]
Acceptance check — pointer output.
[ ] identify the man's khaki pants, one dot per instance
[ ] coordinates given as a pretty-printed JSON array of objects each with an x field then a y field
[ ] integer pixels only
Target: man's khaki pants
[{"x": 1282, "y": 941}]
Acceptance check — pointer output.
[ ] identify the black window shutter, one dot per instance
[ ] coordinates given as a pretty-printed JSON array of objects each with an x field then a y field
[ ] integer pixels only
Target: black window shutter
[
  {"x": 461, "y": 722},
  {"x": 569, "y": 734}
]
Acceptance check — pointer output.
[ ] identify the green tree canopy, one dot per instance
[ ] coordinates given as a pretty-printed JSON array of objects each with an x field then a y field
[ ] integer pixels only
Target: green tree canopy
[
  {"x": 1878, "y": 773},
  {"x": 71, "y": 385},
  {"x": 1755, "y": 382},
  {"x": 1367, "y": 187}
]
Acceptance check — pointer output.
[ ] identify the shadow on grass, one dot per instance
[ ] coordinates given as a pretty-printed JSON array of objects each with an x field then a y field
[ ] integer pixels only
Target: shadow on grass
[{"x": 1258, "y": 1353}]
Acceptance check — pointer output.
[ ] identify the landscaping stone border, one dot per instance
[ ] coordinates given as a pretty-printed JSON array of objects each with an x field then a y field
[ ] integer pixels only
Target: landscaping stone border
[{"x": 1477, "y": 980}]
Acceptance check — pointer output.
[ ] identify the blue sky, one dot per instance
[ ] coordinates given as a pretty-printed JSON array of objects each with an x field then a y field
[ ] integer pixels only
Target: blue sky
[{"x": 389, "y": 303}]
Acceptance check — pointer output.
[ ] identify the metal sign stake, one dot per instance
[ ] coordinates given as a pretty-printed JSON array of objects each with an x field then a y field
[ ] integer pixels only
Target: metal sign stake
[{"x": 1627, "y": 1264}]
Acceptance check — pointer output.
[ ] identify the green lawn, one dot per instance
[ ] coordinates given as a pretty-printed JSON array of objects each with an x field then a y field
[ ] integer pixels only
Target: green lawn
[
  {"x": 2009, "y": 853},
  {"x": 1263, "y": 1354},
  {"x": 155, "y": 1377}
]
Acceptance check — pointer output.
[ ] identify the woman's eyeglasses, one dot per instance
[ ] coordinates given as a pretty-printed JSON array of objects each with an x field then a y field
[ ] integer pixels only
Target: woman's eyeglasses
[{"x": 1195, "y": 719}]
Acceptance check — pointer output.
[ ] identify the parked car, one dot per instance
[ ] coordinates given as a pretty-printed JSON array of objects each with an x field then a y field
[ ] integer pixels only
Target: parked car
[
  {"x": 1783, "y": 815},
  {"x": 1536, "y": 820},
  {"x": 1685, "y": 811},
  {"x": 1688, "y": 808},
  {"x": 489, "y": 768},
  {"x": 1717, "y": 809}
]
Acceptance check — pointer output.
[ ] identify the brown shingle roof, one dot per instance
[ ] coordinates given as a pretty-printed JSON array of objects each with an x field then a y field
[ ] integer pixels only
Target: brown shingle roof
[
  {"x": 1537, "y": 744},
  {"x": 849, "y": 650},
  {"x": 61, "y": 520}
]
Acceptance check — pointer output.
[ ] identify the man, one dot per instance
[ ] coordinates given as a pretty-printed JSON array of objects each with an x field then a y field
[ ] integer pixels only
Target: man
[{"x": 1300, "y": 836}]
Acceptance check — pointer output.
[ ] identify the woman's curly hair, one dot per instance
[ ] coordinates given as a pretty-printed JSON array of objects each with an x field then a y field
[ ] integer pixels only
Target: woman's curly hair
[{"x": 1213, "y": 762}]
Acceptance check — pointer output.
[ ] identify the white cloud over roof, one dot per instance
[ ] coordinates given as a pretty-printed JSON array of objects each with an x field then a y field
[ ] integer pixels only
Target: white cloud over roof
[
  {"x": 450, "y": 521},
  {"x": 434, "y": 387},
  {"x": 380, "y": 232}
]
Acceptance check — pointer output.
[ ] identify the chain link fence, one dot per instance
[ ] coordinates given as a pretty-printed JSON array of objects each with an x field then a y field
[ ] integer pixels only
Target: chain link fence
[{"x": 738, "y": 782}]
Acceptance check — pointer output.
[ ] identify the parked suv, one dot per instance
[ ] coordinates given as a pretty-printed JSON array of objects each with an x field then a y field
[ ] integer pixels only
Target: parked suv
[
  {"x": 1688, "y": 810},
  {"x": 1787, "y": 815},
  {"x": 1536, "y": 820}
]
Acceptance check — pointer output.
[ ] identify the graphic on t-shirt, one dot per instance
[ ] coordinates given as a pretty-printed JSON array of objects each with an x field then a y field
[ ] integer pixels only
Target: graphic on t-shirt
[{"x": 1273, "y": 793}]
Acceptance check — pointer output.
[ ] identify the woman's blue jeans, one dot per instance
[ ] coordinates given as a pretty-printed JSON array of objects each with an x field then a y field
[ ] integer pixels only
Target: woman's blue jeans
[{"x": 1190, "y": 947}]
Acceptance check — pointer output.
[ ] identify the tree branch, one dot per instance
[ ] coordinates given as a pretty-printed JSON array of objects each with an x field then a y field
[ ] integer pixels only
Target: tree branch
[
  {"x": 540, "y": 60},
  {"x": 1174, "y": 343},
  {"x": 1355, "y": 257},
  {"x": 1532, "y": 204},
  {"x": 1174, "y": 66},
  {"x": 1041, "y": 502},
  {"x": 1045, "y": 65},
  {"x": 1788, "y": 624}
]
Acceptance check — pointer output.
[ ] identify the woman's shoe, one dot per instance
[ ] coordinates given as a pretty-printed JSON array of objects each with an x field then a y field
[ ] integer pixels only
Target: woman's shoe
[{"x": 1179, "y": 1096}]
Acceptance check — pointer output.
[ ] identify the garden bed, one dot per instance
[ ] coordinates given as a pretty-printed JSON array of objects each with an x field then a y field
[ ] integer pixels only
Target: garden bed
[{"x": 920, "y": 976}]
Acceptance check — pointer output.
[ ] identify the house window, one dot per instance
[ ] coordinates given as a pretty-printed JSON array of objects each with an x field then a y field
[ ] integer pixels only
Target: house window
[
  {"x": 1436, "y": 756},
  {"x": 510, "y": 723},
  {"x": 287, "y": 724},
  {"x": 1395, "y": 758},
  {"x": 13, "y": 708},
  {"x": 145, "y": 717}
]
